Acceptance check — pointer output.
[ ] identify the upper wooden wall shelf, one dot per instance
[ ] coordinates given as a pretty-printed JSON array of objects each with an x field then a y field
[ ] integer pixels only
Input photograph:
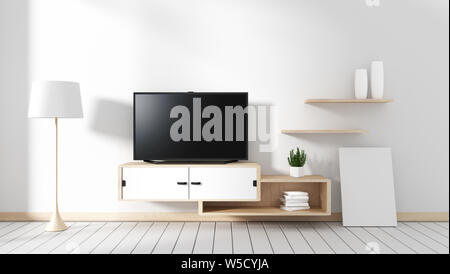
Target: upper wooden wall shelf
[
  {"x": 348, "y": 101},
  {"x": 332, "y": 131}
]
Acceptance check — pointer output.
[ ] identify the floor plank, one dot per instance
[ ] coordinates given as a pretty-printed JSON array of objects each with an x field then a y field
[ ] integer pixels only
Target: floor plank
[
  {"x": 298, "y": 244},
  {"x": 37, "y": 241},
  {"x": 408, "y": 241},
  {"x": 127, "y": 245},
  {"x": 278, "y": 241},
  {"x": 7, "y": 239},
  {"x": 10, "y": 228},
  {"x": 430, "y": 233},
  {"x": 241, "y": 238},
  {"x": 370, "y": 240},
  {"x": 22, "y": 239},
  {"x": 4, "y": 224},
  {"x": 259, "y": 238},
  {"x": 223, "y": 243},
  {"x": 169, "y": 239},
  {"x": 333, "y": 240},
  {"x": 73, "y": 244},
  {"x": 186, "y": 241},
  {"x": 442, "y": 224},
  {"x": 390, "y": 241},
  {"x": 114, "y": 239},
  {"x": 150, "y": 239},
  {"x": 96, "y": 239},
  {"x": 205, "y": 238},
  {"x": 423, "y": 239},
  {"x": 60, "y": 238},
  {"x": 436, "y": 228},
  {"x": 358, "y": 246},
  {"x": 316, "y": 242}
]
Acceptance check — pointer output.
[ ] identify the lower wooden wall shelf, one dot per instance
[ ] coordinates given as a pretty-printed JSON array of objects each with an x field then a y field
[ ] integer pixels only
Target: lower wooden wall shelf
[
  {"x": 326, "y": 131},
  {"x": 272, "y": 187},
  {"x": 348, "y": 101}
]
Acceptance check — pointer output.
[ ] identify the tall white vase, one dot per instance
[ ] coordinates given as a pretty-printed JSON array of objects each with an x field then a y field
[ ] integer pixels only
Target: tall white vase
[
  {"x": 361, "y": 84},
  {"x": 377, "y": 80}
]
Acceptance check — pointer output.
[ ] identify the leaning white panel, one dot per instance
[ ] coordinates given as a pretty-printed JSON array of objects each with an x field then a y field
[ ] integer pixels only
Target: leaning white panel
[{"x": 367, "y": 187}]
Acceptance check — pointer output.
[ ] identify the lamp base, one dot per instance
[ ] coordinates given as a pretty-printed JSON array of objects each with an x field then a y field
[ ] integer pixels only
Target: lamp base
[{"x": 56, "y": 223}]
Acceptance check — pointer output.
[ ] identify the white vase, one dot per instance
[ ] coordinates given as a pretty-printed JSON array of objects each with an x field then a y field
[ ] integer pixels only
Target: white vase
[
  {"x": 297, "y": 172},
  {"x": 377, "y": 80},
  {"x": 361, "y": 84}
]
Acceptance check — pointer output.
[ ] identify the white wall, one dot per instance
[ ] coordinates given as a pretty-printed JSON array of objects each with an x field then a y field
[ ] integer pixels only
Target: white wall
[
  {"x": 280, "y": 51},
  {"x": 14, "y": 78}
]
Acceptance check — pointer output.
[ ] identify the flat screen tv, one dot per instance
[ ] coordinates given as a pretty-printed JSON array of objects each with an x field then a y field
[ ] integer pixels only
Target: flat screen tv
[{"x": 182, "y": 127}]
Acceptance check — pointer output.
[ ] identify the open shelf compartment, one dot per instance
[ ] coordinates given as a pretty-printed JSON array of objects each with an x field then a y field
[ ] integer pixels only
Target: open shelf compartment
[{"x": 319, "y": 189}]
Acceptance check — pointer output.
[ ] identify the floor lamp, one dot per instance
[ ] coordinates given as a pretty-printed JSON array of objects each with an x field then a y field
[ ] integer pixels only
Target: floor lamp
[{"x": 55, "y": 99}]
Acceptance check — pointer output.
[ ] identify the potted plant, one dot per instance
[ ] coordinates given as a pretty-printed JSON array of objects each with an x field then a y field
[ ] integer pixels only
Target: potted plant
[{"x": 297, "y": 161}]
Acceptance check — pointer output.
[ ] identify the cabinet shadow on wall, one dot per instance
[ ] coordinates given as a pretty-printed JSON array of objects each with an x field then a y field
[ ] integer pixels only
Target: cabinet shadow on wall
[{"x": 113, "y": 118}]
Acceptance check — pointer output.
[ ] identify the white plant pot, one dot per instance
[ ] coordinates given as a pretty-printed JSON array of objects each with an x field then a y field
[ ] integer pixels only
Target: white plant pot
[
  {"x": 297, "y": 172},
  {"x": 377, "y": 80},
  {"x": 361, "y": 84}
]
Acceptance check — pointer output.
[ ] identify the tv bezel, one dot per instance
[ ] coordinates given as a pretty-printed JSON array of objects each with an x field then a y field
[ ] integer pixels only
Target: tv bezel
[{"x": 188, "y": 159}]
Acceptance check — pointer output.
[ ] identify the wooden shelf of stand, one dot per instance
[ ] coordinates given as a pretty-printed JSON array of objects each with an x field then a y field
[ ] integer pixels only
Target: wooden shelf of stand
[
  {"x": 260, "y": 211},
  {"x": 326, "y": 131},
  {"x": 348, "y": 101},
  {"x": 272, "y": 187}
]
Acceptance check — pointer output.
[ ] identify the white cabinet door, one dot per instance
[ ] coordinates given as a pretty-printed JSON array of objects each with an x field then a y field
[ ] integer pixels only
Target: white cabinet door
[
  {"x": 155, "y": 184},
  {"x": 210, "y": 184}
]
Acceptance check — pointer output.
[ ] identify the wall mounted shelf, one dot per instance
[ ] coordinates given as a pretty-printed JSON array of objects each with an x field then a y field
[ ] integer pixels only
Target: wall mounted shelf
[
  {"x": 329, "y": 131},
  {"x": 348, "y": 101}
]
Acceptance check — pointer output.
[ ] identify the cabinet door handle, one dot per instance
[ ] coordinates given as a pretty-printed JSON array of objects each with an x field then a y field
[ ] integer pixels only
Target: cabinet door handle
[
  {"x": 182, "y": 183},
  {"x": 196, "y": 183}
]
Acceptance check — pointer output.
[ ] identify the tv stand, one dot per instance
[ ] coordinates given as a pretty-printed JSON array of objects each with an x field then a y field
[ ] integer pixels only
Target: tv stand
[{"x": 234, "y": 189}]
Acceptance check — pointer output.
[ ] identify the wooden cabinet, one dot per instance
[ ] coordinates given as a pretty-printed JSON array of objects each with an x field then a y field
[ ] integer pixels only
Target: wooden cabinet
[
  {"x": 172, "y": 182},
  {"x": 155, "y": 184},
  {"x": 232, "y": 184},
  {"x": 236, "y": 189}
]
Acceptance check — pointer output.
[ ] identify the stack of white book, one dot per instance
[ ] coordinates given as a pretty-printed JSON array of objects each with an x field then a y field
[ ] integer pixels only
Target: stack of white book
[{"x": 295, "y": 200}]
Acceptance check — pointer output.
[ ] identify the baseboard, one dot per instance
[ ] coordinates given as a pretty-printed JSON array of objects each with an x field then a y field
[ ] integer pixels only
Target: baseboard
[
  {"x": 151, "y": 216},
  {"x": 422, "y": 217},
  {"x": 194, "y": 217}
]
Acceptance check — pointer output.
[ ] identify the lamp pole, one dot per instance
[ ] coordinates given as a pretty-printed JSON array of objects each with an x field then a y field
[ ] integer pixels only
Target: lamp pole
[{"x": 56, "y": 223}]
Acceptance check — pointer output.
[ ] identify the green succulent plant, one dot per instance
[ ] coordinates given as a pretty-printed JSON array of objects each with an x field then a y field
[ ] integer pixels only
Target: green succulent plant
[{"x": 297, "y": 159}]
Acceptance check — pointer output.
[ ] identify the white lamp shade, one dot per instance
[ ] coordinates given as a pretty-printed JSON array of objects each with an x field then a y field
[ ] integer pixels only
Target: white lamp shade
[{"x": 55, "y": 99}]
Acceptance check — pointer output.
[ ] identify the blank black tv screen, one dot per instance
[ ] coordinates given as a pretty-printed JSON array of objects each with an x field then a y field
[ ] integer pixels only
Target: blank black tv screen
[{"x": 191, "y": 126}]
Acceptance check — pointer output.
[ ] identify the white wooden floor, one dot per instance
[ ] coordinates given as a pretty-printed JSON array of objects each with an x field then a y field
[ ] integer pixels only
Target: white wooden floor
[{"x": 224, "y": 238}]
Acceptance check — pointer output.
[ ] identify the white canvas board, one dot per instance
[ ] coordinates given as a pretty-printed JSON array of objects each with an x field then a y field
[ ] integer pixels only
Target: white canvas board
[{"x": 367, "y": 187}]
